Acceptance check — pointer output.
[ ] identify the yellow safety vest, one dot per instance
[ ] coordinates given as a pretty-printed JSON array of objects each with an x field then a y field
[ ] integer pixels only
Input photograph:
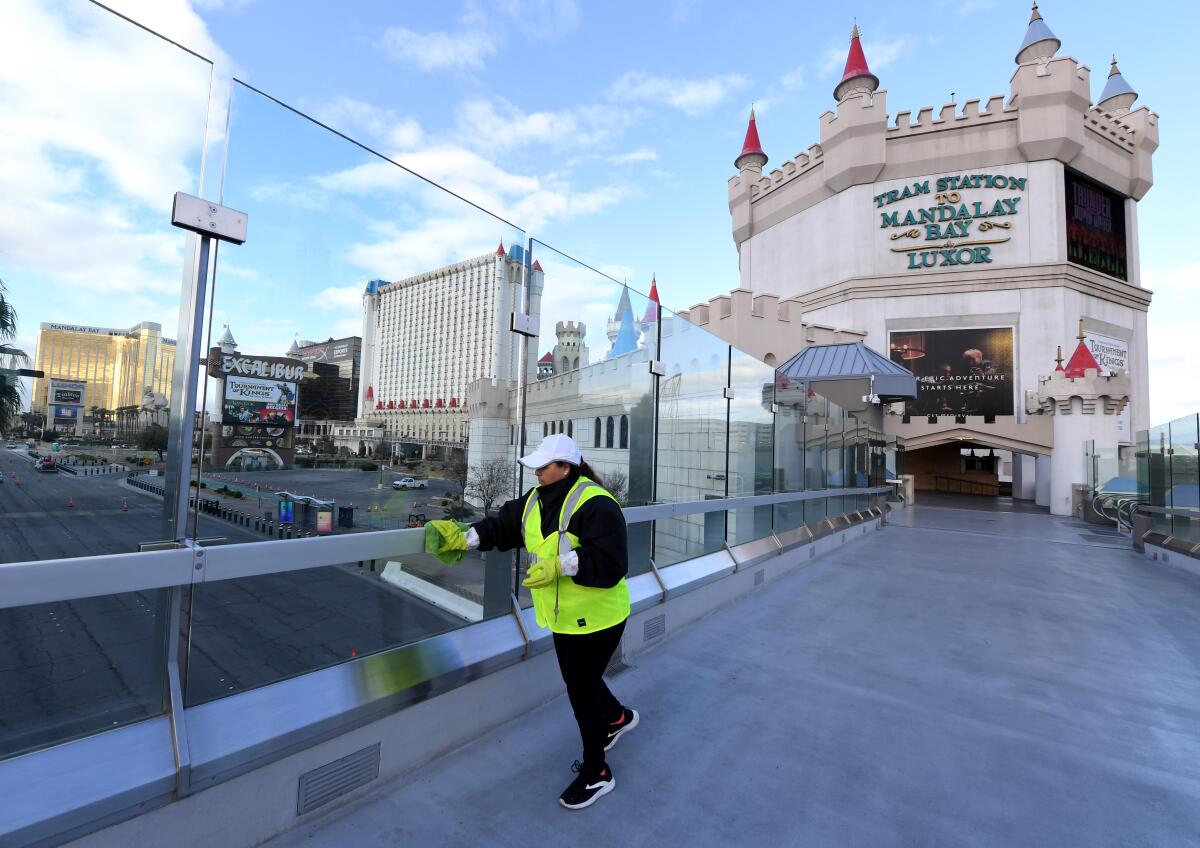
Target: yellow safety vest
[{"x": 564, "y": 606}]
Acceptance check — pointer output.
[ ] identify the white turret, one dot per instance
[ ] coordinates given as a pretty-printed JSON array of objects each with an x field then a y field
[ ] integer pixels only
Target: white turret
[{"x": 1085, "y": 404}]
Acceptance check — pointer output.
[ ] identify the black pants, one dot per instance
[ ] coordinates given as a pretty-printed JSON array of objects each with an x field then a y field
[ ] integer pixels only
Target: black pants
[{"x": 582, "y": 659}]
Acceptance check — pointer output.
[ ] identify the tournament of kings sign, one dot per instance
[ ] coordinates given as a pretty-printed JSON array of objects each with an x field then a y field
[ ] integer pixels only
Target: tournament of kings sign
[{"x": 951, "y": 227}]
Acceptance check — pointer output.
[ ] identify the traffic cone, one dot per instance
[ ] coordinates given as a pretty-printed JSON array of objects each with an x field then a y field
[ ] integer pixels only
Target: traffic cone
[
  {"x": 71, "y": 503},
  {"x": 125, "y": 505}
]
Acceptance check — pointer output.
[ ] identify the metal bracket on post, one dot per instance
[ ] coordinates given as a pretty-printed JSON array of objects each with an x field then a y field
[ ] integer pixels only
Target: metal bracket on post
[
  {"x": 516, "y": 612},
  {"x": 736, "y": 565},
  {"x": 208, "y": 219},
  {"x": 774, "y": 408},
  {"x": 661, "y": 583},
  {"x": 657, "y": 368},
  {"x": 525, "y": 325},
  {"x": 728, "y": 393}
]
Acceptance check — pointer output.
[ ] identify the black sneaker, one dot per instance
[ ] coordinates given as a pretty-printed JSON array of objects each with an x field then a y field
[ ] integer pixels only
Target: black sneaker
[
  {"x": 629, "y": 720},
  {"x": 585, "y": 789}
]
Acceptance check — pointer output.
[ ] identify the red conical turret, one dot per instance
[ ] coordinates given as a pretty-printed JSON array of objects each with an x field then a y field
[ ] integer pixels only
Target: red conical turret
[
  {"x": 752, "y": 155},
  {"x": 537, "y": 266},
  {"x": 500, "y": 249},
  {"x": 652, "y": 307},
  {"x": 1081, "y": 360},
  {"x": 857, "y": 78}
]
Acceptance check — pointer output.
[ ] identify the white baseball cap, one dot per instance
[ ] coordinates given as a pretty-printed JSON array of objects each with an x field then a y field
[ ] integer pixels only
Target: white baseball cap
[{"x": 556, "y": 448}]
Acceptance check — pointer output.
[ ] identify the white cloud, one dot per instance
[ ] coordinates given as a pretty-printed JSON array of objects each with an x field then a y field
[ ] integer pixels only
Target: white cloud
[
  {"x": 540, "y": 20},
  {"x": 433, "y": 51},
  {"x": 793, "y": 79},
  {"x": 92, "y": 151},
  {"x": 369, "y": 124},
  {"x": 690, "y": 96},
  {"x": 642, "y": 154},
  {"x": 339, "y": 298}
]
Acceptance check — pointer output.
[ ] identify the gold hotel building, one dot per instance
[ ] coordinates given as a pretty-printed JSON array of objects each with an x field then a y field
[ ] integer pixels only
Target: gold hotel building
[{"x": 118, "y": 366}]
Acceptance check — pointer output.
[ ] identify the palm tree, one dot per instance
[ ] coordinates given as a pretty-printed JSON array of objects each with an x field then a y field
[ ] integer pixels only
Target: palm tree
[{"x": 10, "y": 387}]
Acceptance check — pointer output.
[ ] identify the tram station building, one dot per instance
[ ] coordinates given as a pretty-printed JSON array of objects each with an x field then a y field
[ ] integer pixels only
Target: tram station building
[{"x": 969, "y": 242}]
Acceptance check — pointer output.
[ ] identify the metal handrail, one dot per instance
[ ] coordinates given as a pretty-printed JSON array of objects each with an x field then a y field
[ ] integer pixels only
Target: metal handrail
[
  {"x": 45, "y": 581},
  {"x": 1185, "y": 511}
]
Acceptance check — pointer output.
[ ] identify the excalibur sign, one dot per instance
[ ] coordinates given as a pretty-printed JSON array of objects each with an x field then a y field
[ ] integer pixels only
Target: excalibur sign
[{"x": 949, "y": 230}]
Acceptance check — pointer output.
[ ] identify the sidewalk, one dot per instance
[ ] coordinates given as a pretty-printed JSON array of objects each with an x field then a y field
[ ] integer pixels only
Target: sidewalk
[{"x": 927, "y": 686}]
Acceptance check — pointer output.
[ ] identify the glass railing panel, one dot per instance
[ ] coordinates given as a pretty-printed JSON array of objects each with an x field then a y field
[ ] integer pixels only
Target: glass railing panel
[
  {"x": 789, "y": 451},
  {"x": 253, "y": 631},
  {"x": 591, "y": 378},
  {"x": 1185, "y": 479},
  {"x": 751, "y": 444},
  {"x": 692, "y": 450},
  {"x": 72, "y": 668},
  {"x": 1158, "y": 473},
  {"x": 360, "y": 367},
  {"x": 90, "y": 268},
  {"x": 91, "y": 275}
]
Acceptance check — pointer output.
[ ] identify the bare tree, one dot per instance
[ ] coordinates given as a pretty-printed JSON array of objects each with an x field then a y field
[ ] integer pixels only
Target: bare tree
[
  {"x": 457, "y": 472},
  {"x": 490, "y": 482},
  {"x": 617, "y": 482}
]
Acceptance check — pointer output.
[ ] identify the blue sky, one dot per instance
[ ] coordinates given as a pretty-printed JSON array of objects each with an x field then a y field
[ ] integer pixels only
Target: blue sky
[{"x": 605, "y": 129}]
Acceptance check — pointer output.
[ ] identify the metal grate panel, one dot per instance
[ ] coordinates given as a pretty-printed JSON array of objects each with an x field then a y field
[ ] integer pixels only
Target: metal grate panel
[
  {"x": 322, "y": 785},
  {"x": 760, "y": 576},
  {"x": 655, "y": 627}
]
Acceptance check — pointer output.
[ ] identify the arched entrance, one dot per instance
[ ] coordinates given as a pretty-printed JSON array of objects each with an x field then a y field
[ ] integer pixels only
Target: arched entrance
[
  {"x": 962, "y": 462},
  {"x": 254, "y": 459}
]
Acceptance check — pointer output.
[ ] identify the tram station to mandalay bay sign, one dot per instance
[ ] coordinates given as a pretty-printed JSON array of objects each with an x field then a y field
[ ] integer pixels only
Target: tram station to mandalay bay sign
[{"x": 978, "y": 243}]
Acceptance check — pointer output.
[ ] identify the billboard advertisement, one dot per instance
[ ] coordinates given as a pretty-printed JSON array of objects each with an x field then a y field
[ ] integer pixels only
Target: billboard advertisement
[
  {"x": 959, "y": 372},
  {"x": 257, "y": 436},
  {"x": 250, "y": 401},
  {"x": 66, "y": 413},
  {"x": 1113, "y": 355},
  {"x": 66, "y": 393},
  {"x": 1095, "y": 226}
]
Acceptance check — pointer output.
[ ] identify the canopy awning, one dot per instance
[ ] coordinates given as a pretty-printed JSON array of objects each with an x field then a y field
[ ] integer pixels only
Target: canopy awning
[{"x": 851, "y": 361}]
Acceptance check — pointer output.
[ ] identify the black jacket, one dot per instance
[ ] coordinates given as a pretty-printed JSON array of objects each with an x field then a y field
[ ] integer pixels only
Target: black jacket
[{"x": 599, "y": 524}]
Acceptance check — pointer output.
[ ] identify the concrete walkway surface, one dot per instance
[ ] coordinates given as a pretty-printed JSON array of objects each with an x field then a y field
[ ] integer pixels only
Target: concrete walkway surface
[{"x": 963, "y": 678}]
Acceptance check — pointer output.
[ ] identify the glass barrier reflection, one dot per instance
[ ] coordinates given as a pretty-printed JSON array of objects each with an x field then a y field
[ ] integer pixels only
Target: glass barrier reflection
[
  {"x": 593, "y": 379},
  {"x": 751, "y": 443},
  {"x": 90, "y": 294},
  {"x": 693, "y": 420},
  {"x": 91, "y": 271},
  {"x": 360, "y": 353}
]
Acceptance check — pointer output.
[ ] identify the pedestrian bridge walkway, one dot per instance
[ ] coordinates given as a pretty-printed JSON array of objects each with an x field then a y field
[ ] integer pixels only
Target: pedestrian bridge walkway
[{"x": 964, "y": 677}]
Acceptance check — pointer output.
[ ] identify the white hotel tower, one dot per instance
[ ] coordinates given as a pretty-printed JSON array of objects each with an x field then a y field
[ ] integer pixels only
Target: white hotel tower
[{"x": 425, "y": 338}]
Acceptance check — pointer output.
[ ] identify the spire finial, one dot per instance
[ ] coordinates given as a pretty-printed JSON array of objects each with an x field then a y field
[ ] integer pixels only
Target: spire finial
[
  {"x": 1113, "y": 71},
  {"x": 1081, "y": 335},
  {"x": 1036, "y": 16},
  {"x": 857, "y": 78},
  {"x": 1059, "y": 359}
]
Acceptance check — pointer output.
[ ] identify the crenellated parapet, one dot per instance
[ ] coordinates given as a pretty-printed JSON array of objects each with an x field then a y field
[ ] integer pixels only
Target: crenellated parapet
[
  {"x": 1096, "y": 393},
  {"x": 1048, "y": 115}
]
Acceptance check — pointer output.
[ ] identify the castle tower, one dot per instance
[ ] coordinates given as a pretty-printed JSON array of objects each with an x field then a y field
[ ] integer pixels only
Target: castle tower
[
  {"x": 752, "y": 157},
  {"x": 1039, "y": 44},
  {"x": 853, "y": 138},
  {"x": 228, "y": 345},
  {"x": 857, "y": 79},
  {"x": 1084, "y": 404},
  {"x": 1118, "y": 95},
  {"x": 648, "y": 325},
  {"x": 570, "y": 353},
  {"x": 614, "y": 323}
]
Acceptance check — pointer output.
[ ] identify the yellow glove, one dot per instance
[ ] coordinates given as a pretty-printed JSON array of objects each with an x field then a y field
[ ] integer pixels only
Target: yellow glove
[
  {"x": 446, "y": 540},
  {"x": 542, "y": 573}
]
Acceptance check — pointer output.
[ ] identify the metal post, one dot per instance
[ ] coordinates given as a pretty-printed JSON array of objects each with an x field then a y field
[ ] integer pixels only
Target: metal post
[{"x": 183, "y": 399}]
